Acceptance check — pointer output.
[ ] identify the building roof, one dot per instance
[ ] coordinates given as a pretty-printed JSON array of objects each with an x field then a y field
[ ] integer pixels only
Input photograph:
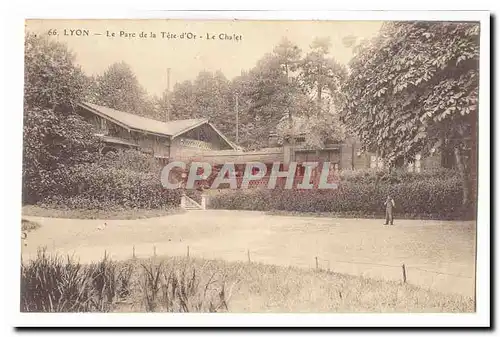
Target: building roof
[
  {"x": 131, "y": 121},
  {"x": 115, "y": 140}
]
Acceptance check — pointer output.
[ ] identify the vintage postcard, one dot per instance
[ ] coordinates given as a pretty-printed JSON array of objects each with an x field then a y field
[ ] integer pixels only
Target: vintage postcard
[{"x": 245, "y": 165}]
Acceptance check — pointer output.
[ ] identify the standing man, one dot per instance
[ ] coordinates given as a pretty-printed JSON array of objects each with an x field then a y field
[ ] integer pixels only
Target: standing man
[{"x": 389, "y": 206}]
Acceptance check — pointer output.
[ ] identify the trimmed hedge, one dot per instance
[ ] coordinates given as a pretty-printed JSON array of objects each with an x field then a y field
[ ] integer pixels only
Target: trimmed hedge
[
  {"x": 112, "y": 183},
  {"x": 396, "y": 176},
  {"x": 435, "y": 197}
]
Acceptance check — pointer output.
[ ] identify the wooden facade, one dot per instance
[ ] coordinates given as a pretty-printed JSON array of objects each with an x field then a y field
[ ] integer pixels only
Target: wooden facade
[
  {"x": 349, "y": 156},
  {"x": 177, "y": 140},
  {"x": 198, "y": 140}
]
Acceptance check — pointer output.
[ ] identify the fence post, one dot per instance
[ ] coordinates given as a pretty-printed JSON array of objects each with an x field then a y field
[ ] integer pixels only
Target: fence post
[
  {"x": 188, "y": 251},
  {"x": 248, "y": 253},
  {"x": 133, "y": 251},
  {"x": 404, "y": 273},
  {"x": 154, "y": 250},
  {"x": 317, "y": 266}
]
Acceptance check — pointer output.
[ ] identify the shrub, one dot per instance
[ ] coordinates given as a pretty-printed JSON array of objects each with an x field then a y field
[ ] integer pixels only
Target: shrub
[
  {"x": 102, "y": 185},
  {"x": 440, "y": 198},
  {"x": 194, "y": 194},
  {"x": 130, "y": 160},
  {"x": 395, "y": 176}
]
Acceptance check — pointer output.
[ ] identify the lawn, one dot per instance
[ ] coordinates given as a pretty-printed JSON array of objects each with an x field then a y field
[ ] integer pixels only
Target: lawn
[
  {"x": 438, "y": 255},
  {"x": 117, "y": 214}
]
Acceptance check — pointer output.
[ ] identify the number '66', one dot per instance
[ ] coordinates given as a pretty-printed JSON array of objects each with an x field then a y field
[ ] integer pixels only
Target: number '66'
[{"x": 52, "y": 32}]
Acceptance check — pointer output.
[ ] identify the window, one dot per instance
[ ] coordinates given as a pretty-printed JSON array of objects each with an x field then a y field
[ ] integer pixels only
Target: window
[
  {"x": 447, "y": 158},
  {"x": 103, "y": 126},
  {"x": 300, "y": 140}
]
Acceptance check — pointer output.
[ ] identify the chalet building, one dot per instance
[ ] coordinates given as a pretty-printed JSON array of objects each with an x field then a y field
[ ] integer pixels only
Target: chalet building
[
  {"x": 175, "y": 140},
  {"x": 199, "y": 140}
]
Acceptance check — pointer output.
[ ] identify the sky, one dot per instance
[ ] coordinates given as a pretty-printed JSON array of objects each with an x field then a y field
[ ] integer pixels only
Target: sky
[{"x": 96, "y": 48}]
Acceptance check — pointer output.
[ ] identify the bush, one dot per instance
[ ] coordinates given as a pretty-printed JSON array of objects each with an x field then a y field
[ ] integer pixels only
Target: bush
[
  {"x": 396, "y": 176},
  {"x": 96, "y": 186},
  {"x": 127, "y": 179},
  {"x": 440, "y": 198},
  {"x": 130, "y": 160},
  {"x": 194, "y": 194}
]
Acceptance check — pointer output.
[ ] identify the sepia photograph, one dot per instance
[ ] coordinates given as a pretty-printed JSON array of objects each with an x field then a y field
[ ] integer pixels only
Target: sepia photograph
[{"x": 250, "y": 166}]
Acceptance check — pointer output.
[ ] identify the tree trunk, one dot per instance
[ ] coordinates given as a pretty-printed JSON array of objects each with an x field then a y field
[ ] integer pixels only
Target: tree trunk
[
  {"x": 462, "y": 169},
  {"x": 320, "y": 92}
]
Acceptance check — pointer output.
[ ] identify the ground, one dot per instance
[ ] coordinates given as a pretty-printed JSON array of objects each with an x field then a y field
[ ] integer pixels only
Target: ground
[{"x": 348, "y": 246}]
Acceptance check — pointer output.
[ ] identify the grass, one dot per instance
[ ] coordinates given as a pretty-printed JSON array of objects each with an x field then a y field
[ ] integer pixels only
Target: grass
[
  {"x": 50, "y": 283},
  {"x": 172, "y": 284},
  {"x": 117, "y": 214}
]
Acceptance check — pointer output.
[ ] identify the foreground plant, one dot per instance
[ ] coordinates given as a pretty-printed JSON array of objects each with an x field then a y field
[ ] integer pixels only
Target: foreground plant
[
  {"x": 181, "y": 289},
  {"x": 51, "y": 284}
]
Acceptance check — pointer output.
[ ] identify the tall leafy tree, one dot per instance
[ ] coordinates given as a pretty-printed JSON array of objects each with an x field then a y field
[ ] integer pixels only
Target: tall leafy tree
[
  {"x": 270, "y": 92},
  {"x": 119, "y": 88},
  {"x": 55, "y": 138},
  {"x": 52, "y": 80},
  {"x": 320, "y": 77},
  {"x": 321, "y": 74},
  {"x": 208, "y": 96},
  {"x": 414, "y": 88},
  {"x": 181, "y": 101}
]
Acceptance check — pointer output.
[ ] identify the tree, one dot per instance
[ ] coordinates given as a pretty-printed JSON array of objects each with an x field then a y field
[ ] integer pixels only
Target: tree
[
  {"x": 263, "y": 100},
  {"x": 118, "y": 88},
  {"x": 55, "y": 138},
  {"x": 208, "y": 96},
  {"x": 269, "y": 92},
  {"x": 182, "y": 101},
  {"x": 321, "y": 74},
  {"x": 213, "y": 100},
  {"x": 414, "y": 88},
  {"x": 51, "y": 80},
  {"x": 278, "y": 95}
]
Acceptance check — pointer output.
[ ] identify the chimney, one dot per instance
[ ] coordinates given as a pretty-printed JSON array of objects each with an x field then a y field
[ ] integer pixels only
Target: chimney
[{"x": 167, "y": 112}]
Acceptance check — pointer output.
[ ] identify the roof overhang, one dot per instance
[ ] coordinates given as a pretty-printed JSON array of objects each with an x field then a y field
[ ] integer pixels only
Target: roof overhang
[
  {"x": 123, "y": 125},
  {"x": 130, "y": 128},
  {"x": 228, "y": 142}
]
